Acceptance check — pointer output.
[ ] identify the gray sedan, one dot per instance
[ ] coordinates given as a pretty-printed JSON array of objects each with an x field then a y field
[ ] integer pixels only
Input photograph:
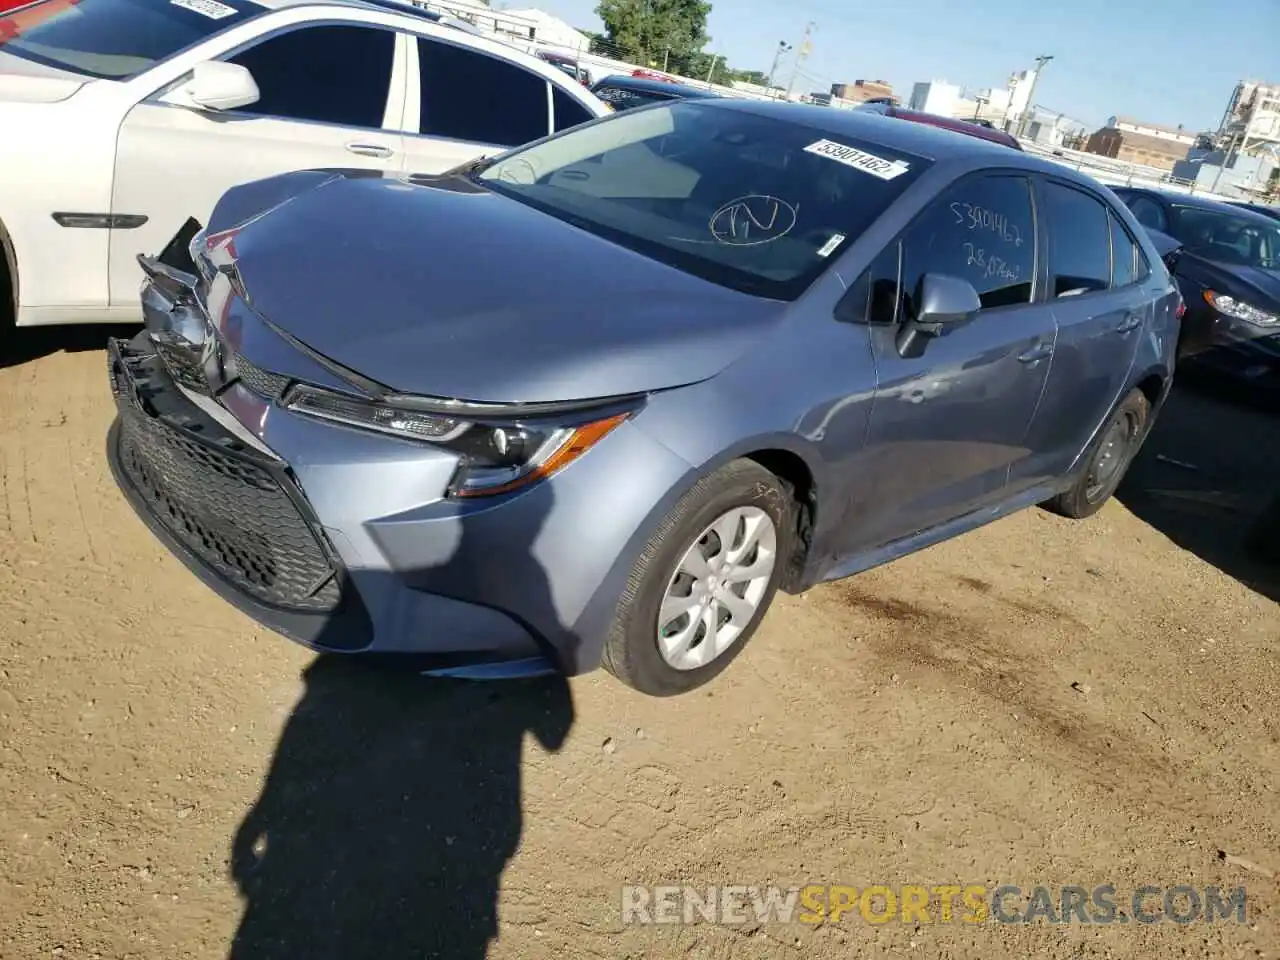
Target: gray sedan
[{"x": 596, "y": 399}]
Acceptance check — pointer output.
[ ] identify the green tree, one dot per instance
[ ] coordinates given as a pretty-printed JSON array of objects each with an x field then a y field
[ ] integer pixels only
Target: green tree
[{"x": 651, "y": 31}]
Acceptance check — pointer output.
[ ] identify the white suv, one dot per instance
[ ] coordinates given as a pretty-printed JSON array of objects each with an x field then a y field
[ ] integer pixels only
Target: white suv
[{"x": 119, "y": 119}]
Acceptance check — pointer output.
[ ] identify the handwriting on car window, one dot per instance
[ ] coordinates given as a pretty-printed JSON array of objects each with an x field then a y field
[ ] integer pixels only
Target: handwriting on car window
[
  {"x": 976, "y": 217},
  {"x": 989, "y": 265},
  {"x": 751, "y": 220}
]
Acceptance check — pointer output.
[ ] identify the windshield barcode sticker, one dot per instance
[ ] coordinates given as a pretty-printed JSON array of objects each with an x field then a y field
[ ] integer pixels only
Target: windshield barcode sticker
[
  {"x": 852, "y": 157},
  {"x": 829, "y": 247},
  {"x": 209, "y": 8}
]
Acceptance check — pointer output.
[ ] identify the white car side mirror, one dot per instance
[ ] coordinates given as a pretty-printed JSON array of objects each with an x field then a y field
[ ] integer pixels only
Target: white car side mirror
[{"x": 215, "y": 85}]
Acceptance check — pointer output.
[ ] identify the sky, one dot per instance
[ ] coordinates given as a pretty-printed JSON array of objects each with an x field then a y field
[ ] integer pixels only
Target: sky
[{"x": 1163, "y": 61}]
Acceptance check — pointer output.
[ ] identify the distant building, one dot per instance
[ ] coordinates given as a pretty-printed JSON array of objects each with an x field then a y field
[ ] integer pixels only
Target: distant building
[
  {"x": 860, "y": 91},
  {"x": 936, "y": 96},
  {"x": 1176, "y": 134},
  {"x": 1146, "y": 144},
  {"x": 1052, "y": 129},
  {"x": 552, "y": 30},
  {"x": 1000, "y": 106},
  {"x": 1253, "y": 115}
]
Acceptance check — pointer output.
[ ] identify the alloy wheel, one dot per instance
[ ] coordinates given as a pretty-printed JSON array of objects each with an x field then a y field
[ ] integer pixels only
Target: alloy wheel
[{"x": 717, "y": 588}]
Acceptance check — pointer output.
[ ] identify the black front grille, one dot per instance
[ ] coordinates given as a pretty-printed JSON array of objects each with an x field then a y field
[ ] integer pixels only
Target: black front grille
[
  {"x": 183, "y": 365},
  {"x": 270, "y": 386},
  {"x": 228, "y": 510}
]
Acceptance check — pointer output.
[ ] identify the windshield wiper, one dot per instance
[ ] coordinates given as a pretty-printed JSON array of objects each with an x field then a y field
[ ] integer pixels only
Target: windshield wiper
[{"x": 472, "y": 168}]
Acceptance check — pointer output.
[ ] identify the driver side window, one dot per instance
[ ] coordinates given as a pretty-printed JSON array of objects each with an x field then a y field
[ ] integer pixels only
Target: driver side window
[{"x": 981, "y": 230}]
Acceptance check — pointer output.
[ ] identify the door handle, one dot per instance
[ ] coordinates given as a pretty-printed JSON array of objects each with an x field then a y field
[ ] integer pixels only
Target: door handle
[
  {"x": 369, "y": 150},
  {"x": 1038, "y": 352},
  {"x": 1131, "y": 322}
]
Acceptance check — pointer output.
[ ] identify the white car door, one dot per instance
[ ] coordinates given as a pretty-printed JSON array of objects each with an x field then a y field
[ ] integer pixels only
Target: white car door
[
  {"x": 331, "y": 95},
  {"x": 469, "y": 101}
]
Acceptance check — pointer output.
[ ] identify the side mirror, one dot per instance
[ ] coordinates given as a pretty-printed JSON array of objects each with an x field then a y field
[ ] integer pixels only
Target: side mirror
[
  {"x": 215, "y": 85},
  {"x": 942, "y": 302}
]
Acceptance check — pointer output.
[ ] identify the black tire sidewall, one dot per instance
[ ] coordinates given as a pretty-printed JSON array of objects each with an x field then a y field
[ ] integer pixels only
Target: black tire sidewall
[
  {"x": 743, "y": 484},
  {"x": 1076, "y": 503}
]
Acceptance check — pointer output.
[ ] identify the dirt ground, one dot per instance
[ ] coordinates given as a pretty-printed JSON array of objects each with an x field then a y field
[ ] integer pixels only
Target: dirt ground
[{"x": 1038, "y": 703}]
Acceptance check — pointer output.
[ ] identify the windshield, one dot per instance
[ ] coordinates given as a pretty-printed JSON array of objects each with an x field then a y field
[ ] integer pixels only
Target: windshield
[
  {"x": 115, "y": 39},
  {"x": 750, "y": 202},
  {"x": 1228, "y": 238}
]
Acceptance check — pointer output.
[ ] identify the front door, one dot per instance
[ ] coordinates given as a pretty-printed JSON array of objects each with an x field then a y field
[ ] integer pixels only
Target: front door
[
  {"x": 327, "y": 100},
  {"x": 1101, "y": 305},
  {"x": 947, "y": 426}
]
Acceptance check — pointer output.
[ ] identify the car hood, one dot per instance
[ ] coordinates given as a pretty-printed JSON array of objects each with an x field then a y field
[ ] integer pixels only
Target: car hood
[
  {"x": 22, "y": 81},
  {"x": 1256, "y": 285},
  {"x": 435, "y": 286}
]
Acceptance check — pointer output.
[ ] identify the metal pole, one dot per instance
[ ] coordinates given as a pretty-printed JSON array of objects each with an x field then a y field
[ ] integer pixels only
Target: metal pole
[
  {"x": 1223, "y": 165},
  {"x": 800, "y": 56},
  {"x": 783, "y": 47},
  {"x": 1035, "y": 77},
  {"x": 714, "y": 58}
]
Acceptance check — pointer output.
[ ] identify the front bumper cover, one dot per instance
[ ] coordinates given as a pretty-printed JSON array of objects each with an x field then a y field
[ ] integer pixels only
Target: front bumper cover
[{"x": 239, "y": 521}]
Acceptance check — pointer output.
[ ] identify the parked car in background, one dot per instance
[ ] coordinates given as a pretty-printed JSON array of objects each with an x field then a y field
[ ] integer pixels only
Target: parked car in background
[
  {"x": 642, "y": 74},
  {"x": 983, "y": 131},
  {"x": 567, "y": 65},
  {"x": 121, "y": 118},
  {"x": 830, "y": 339},
  {"x": 622, "y": 92},
  {"x": 1229, "y": 274}
]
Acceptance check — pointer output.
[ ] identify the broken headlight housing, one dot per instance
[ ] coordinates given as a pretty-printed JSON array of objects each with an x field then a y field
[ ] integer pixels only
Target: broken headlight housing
[{"x": 498, "y": 456}]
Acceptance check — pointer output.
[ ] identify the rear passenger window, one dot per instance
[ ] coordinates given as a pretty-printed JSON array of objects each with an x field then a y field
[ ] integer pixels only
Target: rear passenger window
[
  {"x": 481, "y": 99},
  {"x": 981, "y": 230},
  {"x": 568, "y": 111},
  {"x": 1079, "y": 242},
  {"x": 1124, "y": 255},
  {"x": 1148, "y": 213}
]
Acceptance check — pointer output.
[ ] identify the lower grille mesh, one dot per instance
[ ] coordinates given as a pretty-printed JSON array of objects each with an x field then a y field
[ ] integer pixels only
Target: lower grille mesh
[{"x": 233, "y": 514}]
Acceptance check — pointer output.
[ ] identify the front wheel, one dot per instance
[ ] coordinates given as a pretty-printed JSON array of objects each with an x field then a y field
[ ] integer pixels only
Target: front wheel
[
  {"x": 703, "y": 583},
  {"x": 1108, "y": 461}
]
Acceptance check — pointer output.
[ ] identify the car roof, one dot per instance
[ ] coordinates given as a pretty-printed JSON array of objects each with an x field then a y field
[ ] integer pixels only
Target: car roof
[
  {"x": 654, "y": 86},
  {"x": 952, "y": 123},
  {"x": 394, "y": 6},
  {"x": 1202, "y": 203},
  {"x": 922, "y": 139}
]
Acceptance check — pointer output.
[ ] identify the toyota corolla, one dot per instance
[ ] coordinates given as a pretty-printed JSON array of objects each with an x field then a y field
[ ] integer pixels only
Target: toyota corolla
[{"x": 596, "y": 399}]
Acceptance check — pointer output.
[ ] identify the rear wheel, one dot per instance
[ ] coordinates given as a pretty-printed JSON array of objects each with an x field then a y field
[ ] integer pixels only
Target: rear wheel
[
  {"x": 703, "y": 583},
  {"x": 1109, "y": 459}
]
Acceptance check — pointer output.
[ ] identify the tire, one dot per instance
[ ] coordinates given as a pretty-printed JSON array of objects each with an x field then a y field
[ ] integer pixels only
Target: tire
[
  {"x": 8, "y": 310},
  {"x": 1128, "y": 426},
  {"x": 745, "y": 491}
]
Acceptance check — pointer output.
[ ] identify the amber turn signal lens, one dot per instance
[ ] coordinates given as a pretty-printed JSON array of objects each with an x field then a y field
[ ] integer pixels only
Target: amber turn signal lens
[{"x": 579, "y": 442}]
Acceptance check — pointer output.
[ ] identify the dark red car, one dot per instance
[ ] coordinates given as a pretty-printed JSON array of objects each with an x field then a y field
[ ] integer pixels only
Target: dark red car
[{"x": 947, "y": 123}]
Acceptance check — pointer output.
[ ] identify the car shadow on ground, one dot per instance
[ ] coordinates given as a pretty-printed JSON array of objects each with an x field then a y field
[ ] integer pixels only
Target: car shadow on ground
[
  {"x": 1208, "y": 478},
  {"x": 31, "y": 343},
  {"x": 393, "y": 801}
]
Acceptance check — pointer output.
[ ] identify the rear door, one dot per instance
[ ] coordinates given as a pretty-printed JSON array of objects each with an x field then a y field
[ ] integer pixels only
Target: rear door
[
  {"x": 466, "y": 103},
  {"x": 1095, "y": 291},
  {"x": 327, "y": 100},
  {"x": 946, "y": 426}
]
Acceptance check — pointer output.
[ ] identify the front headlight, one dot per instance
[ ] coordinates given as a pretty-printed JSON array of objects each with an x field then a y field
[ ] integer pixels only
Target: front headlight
[
  {"x": 1238, "y": 309},
  {"x": 497, "y": 457}
]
